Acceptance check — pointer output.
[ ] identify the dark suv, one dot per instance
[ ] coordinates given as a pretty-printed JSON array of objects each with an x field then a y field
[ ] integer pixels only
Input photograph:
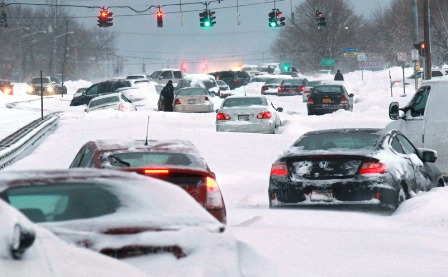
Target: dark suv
[
  {"x": 98, "y": 89},
  {"x": 234, "y": 79}
]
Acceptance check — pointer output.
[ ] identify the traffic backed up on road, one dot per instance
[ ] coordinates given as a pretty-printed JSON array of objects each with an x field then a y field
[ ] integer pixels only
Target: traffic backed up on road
[
  {"x": 373, "y": 167},
  {"x": 252, "y": 114},
  {"x": 124, "y": 215},
  {"x": 175, "y": 161}
]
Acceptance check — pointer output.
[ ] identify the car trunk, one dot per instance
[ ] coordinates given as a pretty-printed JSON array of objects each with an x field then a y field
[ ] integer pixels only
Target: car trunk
[
  {"x": 191, "y": 100},
  {"x": 326, "y": 98},
  {"x": 245, "y": 114}
]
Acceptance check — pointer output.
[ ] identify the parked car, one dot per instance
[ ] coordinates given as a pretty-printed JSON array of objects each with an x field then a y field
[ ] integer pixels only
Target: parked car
[
  {"x": 106, "y": 87},
  {"x": 253, "y": 114},
  {"x": 175, "y": 161},
  {"x": 136, "y": 76},
  {"x": 124, "y": 215},
  {"x": 30, "y": 250},
  {"x": 224, "y": 89},
  {"x": 43, "y": 85},
  {"x": 234, "y": 79},
  {"x": 312, "y": 83},
  {"x": 418, "y": 75},
  {"x": 206, "y": 81},
  {"x": 271, "y": 85},
  {"x": 6, "y": 87},
  {"x": 424, "y": 119},
  {"x": 193, "y": 100},
  {"x": 292, "y": 87},
  {"x": 372, "y": 167},
  {"x": 329, "y": 98},
  {"x": 59, "y": 87},
  {"x": 114, "y": 101},
  {"x": 164, "y": 75}
]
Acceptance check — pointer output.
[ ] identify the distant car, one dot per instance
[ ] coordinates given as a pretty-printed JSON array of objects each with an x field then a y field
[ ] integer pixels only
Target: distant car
[
  {"x": 119, "y": 214},
  {"x": 175, "y": 161},
  {"x": 113, "y": 101},
  {"x": 290, "y": 73},
  {"x": 105, "y": 87},
  {"x": 136, "y": 76},
  {"x": 224, "y": 89},
  {"x": 262, "y": 78},
  {"x": 312, "y": 83},
  {"x": 43, "y": 85},
  {"x": 253, "y": 114},
  {"x": 30, "y": 250},
  {"x": 234, "y": 79},
  {"x": 6, "y": 87},
  {"x": 292, "y": 86},
  {"x": 162, "y": 76},
  {"x": 79, "y": 92},
  {"x": 271, "y": 85},
  {"x": 59, "y": 87},
  {"x": 372, "y": 167},
  {"x": 329, "y": 98},
  {"x": 193, "y": 100},
  {"x": 418, "y": 75},
  {"x": 206, "y": 81}
]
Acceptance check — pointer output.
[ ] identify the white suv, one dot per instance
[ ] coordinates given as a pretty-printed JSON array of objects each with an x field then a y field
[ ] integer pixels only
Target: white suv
[{"x": 164, "y": 75}]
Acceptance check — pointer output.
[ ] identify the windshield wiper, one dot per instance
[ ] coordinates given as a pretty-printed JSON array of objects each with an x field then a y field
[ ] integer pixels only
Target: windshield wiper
[{"x": 120, "y": 160}]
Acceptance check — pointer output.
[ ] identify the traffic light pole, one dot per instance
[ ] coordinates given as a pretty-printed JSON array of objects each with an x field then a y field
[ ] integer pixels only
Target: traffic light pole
[{"x": 427, "y": 69}]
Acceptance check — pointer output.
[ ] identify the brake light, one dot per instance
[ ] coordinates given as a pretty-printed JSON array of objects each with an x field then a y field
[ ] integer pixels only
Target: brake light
[
  {"x": 222, "y": 116},
  {"x": 302, "y": 88},
  {"x": 372, "y": 168},
  {"x": 121, "y": 107},
  {"x": 264, "y": 115},
  {"x": 281, "y": 88},
  {"x": 214, "y": 197},
  {"x": 310, "y": 100},
  {"x": 157, "y": 171},
  {"x": 263, "y": 88},
  {"x": 343, "y": 100},
  {"x": 236, "y": 81},
  {"x": 177, "y": 102},
  {"x": 279, "y": 169}
]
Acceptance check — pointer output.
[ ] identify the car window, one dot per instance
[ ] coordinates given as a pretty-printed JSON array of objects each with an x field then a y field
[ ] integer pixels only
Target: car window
[
  {"x": 324, "y": 141},
  {"x": 103, "y": 101},
  {"x": 275, "y": 81},
  {"x": 177, "y": 74},
  {"x": 93, "y": 90},
  {"x": 192, "y": 91},
  {"x": 166, "y": 75},
  {"x": 87, "y": 158},
  {"x": 242, "y": 74},
  {"x": 155, "y": 74},
  {"x": 140, "y": 159},
  {"x": 36, "y": 80},
  {"x": 106, "y": 87},
  {"x": 209, "y": 84},
  {"x": 396, "y": 146},
  {"x": 292, "y": 82},
  {"x": 327, "y": 89},
  {"x": 418, "y": 102},
  {"x": 120, "y": 84},
  {"x": 407, "y": 145},
  {"x": 436, "y": 73},
  {"x": 226, "y": 75},
  {"x": 244, "y": 102},
  {"x": 221, "y": 83}
]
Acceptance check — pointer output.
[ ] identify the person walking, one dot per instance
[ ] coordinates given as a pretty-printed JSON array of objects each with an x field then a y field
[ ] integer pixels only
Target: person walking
[
  {"x": 167, "y": 97},
  {"x": 338, "y": 76}
]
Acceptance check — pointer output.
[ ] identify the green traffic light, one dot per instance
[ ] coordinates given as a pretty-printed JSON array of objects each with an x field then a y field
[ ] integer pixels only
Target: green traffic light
[
  {"x": 207, "y": 23},
  {"x": 272, "y": 24}
]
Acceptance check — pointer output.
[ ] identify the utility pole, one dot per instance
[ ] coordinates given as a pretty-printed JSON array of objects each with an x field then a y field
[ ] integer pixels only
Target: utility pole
[
  {"x": 65, "y": 58},
  {"x": 427, "y": 72}
]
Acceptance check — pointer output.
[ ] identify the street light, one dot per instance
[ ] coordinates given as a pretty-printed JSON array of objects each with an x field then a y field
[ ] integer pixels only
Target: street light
[{"x": 38, "y": 32}]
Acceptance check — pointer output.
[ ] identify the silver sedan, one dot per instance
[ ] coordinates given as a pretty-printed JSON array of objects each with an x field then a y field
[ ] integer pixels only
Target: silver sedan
[
  {"x": 193, "y": 100},
  {"x": 252, "y": 114}
]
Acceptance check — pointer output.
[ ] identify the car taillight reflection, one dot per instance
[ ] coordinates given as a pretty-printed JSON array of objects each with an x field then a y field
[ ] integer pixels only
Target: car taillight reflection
[
  {"x": 302, "y": 88},
  {"x": 263, "y": 88}
]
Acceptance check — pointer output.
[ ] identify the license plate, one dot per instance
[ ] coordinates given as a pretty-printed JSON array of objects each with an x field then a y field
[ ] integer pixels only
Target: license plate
[
  {"x": 326, "y": 100},
  {"x": 291, "y": 90},
  {"x": 192, "y": 101},
  {"x": 321, "y": 195},
  {"x": 244, "y": 117}
]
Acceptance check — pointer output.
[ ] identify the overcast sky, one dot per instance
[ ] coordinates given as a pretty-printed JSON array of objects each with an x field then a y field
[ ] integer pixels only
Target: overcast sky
[{"x": 182, "y": 39}]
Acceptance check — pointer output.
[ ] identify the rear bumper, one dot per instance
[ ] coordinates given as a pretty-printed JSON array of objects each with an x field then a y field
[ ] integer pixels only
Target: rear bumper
[
  {"x": 193, "y": 108},
  {"x": 320, "y": 108},
  {"x": 265, "y": 127}
]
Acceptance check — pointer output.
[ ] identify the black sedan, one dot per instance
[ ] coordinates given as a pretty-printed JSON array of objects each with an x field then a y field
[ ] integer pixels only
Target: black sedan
[
  {"x": 292, "y": 87},
  {"x": 329, "y": 98},
  {"x": 352, "y": 166}
]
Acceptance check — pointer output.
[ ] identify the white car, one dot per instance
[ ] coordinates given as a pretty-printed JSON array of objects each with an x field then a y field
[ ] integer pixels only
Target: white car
[
  {"x": 410, "y": 80},
  {"x": 113, "y": 101},
  {"x": 271, "y": 85},
  {"x": 29, "y": 250},
  {"x": 206, "y": 81},
  {"x": 193, "y": 100},
  {"x": 252, "y": 114}
]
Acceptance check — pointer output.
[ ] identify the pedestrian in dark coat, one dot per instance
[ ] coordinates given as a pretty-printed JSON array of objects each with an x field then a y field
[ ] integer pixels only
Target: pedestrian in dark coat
[
  {"x": 167, "y": 97},
  {"x": 338, "y": 76}
]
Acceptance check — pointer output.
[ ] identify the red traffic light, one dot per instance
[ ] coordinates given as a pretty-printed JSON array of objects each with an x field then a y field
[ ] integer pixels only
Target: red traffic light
[
  {"x": 104, "y": 14},
  {"x": 422, "y": 45},
  {"x": 159, "y": 14}
]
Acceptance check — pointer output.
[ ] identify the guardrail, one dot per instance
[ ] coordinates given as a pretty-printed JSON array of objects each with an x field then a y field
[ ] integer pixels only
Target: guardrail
[{"x": 16, "y": 144}]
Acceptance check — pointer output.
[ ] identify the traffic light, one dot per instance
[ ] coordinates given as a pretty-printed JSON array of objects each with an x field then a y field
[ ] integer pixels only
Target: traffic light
[
  {"x": 204, "y": 19},
  {"x": 285, "y": 67},
  {"x": 273, "y": 19},
  {"x": 105, "y": 18},
  {"x": 3, "y": 20},
  {"x": 422, "y": 49},
  {"x": 159, "y": 19},
  {"x": 280, "y": 19},
  {"x": 212, "y": 17},
  {"x": 320, "y": 18}
]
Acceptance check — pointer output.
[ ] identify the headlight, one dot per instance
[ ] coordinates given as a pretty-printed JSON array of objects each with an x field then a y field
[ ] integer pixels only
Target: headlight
[
  {"x": 29, "y": 89},
  {"x": 7, "y": 90},
  {"x": 50, "y": 89}
]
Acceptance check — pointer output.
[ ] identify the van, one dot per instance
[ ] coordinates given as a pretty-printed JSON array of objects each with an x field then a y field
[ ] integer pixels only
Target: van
[{"x": 424, "y": 120}]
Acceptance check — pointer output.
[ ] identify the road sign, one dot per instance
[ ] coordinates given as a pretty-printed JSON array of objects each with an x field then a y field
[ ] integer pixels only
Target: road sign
[
  {"x": 327, "y": 62},
  {"x": 362, "y": 57},
  {"x": 401, "y": 56},
  {"x": 350, "y": 52},
  {"x": 414, "y": 55}
]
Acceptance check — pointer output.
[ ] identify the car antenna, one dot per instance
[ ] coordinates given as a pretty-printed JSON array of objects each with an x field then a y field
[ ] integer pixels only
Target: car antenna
[{"x": 147, "y": 128}]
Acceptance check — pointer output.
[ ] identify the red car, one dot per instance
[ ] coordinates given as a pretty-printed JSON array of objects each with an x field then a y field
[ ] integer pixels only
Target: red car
[{"x": 174, "y": 161}]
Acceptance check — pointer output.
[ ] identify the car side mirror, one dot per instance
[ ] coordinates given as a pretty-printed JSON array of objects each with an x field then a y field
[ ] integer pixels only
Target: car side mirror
[
  {"x": 427, "y": 155},
  {"x": 351, "y": 95},
  {"x": 394, "y": 111},
  {"x": 22, "y": 239},
  {"x": 279, "y": 109}
]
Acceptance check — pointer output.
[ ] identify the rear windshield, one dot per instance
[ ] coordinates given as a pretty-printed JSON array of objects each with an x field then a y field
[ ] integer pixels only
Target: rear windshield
[
  {"x": 350, "y": 140},
  {"x": 209, "y": 84},
  {"x": 244, "y": 102},
  {"x": 292, "y": 82},
  {"x": 133, "y": 77},
  {"x": 103, "y": 101},
  {"x": 314, "y": 83},
  {"x": 242, "y": 74},
  {"x": 274, "y": 81},
  {"x": 191, "y": 91},
  {"x": 327, "y": 89},
  {"x": 260, "y": 79},
  {"x": 141, "y": 159}
]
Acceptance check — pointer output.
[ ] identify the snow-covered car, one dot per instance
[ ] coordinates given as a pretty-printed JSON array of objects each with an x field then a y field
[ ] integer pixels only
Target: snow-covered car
[
  {"x": 164, "y": 75},
  {"x": 271, "y": 85},
  {"x": 224, "y": 89},
  {"x": 193, "y": 100},
  {"x": 141, "y": 220},
  {"x": 206, "y": 81},
  {"x": 418, "y": 76},
  {"x": 113, "y": 101},
  {"x": 372, "y": 167},
  {"x": 30, "y": 250},
  {"x": 252, "y": 114}
]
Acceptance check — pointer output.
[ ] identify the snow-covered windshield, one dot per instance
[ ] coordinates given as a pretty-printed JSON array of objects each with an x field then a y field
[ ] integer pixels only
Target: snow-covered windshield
[
  {"x": 138, "y": 159},
  {"x": 350, "y": 140},
  {"x": 244, "y": 102}
]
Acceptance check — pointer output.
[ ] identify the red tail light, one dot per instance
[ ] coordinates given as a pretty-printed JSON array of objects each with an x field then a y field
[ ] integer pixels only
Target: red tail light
[
  {"x": 264, "y": 115},
  {"x": 222, "y": 116},
  {"x": 177, "y": 102},
  {"x": 219, "y": 92},
  {"x": 157, "y": 171},
  {"x": 279, "y": 169},
  {"x": 372, "y": 168},
  {"x": 343, "y": 100},
  {"x": 263, "y": 88},
  {"x": 302, "y": 88},
  {"x": 214, "y": 197},
  {"x": 121, "y": 107},
  {"x": 280, "y": 88},
  {"x": 310, "y": 100},
  {"x": 236, "y": 81}
]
